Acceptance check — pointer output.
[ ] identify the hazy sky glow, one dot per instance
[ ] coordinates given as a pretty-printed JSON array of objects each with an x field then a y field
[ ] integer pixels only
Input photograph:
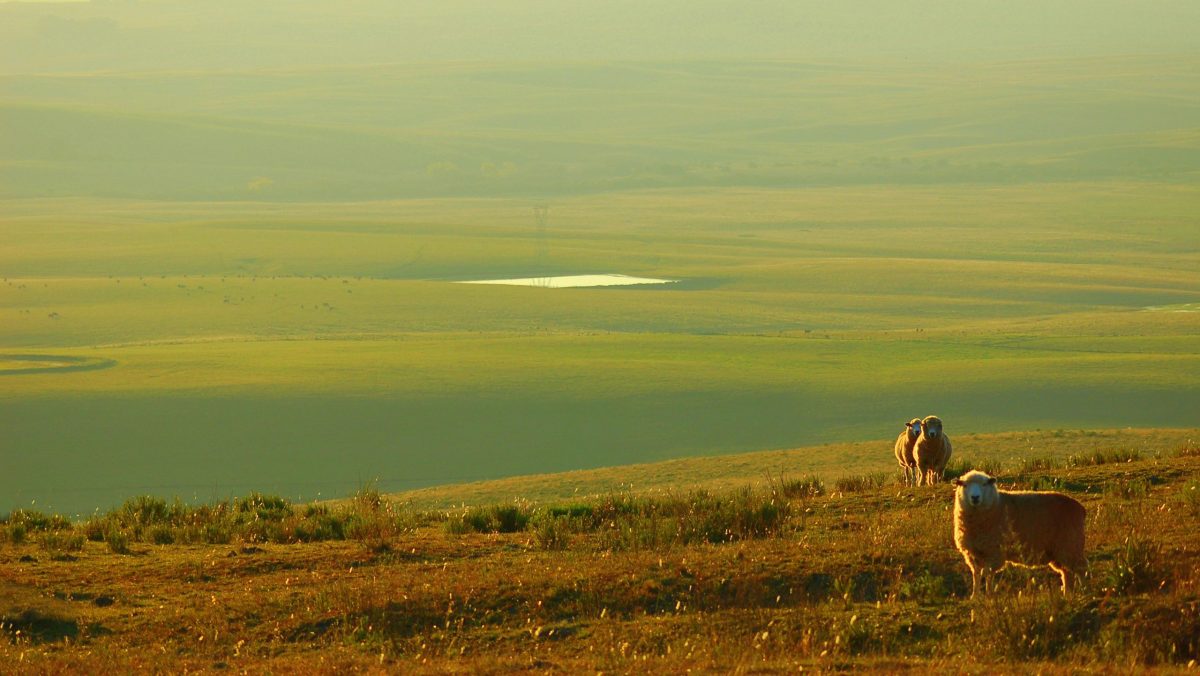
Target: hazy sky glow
[
  {"x": 316, "y": 99},
  {"x": 224, "y": 34}
]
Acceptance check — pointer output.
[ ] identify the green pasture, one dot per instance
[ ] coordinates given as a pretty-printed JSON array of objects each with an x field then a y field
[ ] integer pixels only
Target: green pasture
[
  {"x": 307, "y": 349},
  {"x": 220, "y": 281}
]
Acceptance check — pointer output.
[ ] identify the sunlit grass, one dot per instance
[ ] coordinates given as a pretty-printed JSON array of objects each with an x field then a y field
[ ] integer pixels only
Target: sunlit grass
[{"x": 862, "y": 579}]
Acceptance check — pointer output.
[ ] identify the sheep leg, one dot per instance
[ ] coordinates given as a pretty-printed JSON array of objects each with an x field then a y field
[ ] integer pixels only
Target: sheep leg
[
  {"x": 988, "y": 575},
  {"x": 983, "y": 575},
  {"x": 1068, "y": 578}
]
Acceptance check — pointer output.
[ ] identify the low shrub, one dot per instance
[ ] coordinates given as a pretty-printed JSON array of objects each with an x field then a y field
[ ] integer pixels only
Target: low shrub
[
  {"x": 320, "y": 524},
  {"x": 118, "y": 541},
  {"x": 146, "y": 510},
  {"x": 15, "y": 533},
  {"x": 552, "y": 532},
  {"x": 61, "y": 541},
  {"x": 36, "y": 521},
  {"x": 162, "y": 535},
  {"x": 264, "y": 507},
  {"x": 493, "y": 519},
  {"x": 1137, "y": 566}
]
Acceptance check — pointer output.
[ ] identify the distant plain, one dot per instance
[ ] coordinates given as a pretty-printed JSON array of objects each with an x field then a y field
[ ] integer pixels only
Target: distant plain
[{"x": 856, "y": 245}]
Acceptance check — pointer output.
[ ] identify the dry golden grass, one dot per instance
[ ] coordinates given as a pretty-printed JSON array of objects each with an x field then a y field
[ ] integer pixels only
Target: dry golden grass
[
  {"x": 828, "y": 462},
  {"x": 745, "y": 580}
]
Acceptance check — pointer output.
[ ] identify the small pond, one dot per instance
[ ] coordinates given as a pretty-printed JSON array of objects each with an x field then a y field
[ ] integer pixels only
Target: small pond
[{"x": 569, "y": 281}]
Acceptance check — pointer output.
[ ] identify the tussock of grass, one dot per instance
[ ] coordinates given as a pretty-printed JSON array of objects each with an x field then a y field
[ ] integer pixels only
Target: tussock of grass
[
  {"x": 493, "y": 519},
  {"x": 1137, "y": 566},
  {"x": 861, "y": 482},
  {"x": 1189, "y": 497},
  {"x": 58, "y": 542},
  {"x": 810, "y": 486},
  {"x": 117, "y": 541}
]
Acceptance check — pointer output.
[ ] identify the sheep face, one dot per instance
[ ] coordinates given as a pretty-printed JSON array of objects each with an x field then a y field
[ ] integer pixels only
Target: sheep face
[
  {"x": 914, "y": 427},
  {"x": 932, "y": 426},
  {"x": 976, "y": 490}
]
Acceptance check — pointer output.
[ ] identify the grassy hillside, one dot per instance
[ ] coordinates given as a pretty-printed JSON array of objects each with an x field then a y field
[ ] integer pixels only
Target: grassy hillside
[
  {"x": 828, "y": 463},
  {"x": 853, "y": 574}
]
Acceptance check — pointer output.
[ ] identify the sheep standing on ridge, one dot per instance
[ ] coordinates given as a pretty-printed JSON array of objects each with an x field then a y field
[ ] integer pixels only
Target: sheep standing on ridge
[
  {"x": 1028, "y": 528},
  {"x": 931, "y": 452},
  {"x": 904, "y": 450}
]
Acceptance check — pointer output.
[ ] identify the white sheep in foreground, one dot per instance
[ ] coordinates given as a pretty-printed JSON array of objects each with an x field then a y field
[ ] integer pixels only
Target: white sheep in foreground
[
  {"x": 904, "y": 450},
  {"x": 1027, "y": 528},
  {"x": 932, "y": 451}
]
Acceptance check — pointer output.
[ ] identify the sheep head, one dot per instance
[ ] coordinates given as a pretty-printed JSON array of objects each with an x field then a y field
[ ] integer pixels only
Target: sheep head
[
  {"x": 914, "y": 427},
  {"x": 932, "y": 426},
  {"x": 976, "y": 490}
]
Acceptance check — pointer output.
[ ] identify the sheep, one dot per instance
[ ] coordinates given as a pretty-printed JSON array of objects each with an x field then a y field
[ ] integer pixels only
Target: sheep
[
  {"x": 993, "y": 528},
  {"x": 904, "y": 450},
  {"x": 931, "y": 452}
]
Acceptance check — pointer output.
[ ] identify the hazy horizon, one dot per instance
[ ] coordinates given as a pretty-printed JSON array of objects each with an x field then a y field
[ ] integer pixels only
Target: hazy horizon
[{"x": 131, "y": 35}]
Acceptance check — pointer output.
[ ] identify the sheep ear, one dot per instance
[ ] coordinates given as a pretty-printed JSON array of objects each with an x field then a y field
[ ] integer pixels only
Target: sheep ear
[
  {"x": 991, "y": 480},
  {"x": 958, "y": 482}
]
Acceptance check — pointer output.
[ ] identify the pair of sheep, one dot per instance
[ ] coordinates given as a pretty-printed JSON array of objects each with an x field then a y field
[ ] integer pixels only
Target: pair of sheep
[{"x": 923, "y": 450}]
